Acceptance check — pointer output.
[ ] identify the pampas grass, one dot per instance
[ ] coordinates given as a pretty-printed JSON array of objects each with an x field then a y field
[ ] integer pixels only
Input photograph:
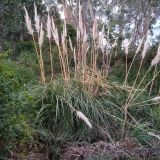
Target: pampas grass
[
  {"x": 40, "y": 39},
  {"x": 36, "y": 19},
  {"x": 145, "y": 49},
  {"x": 41, "y": 36},
  {"x": 49, "y": 36},
  {"x": 28, "y": 22},
  {"x": 85, "y": 55},
  {"x": 154, "y": 135},
  {"x": 156, "y": 99},
  {"x": 49, "y": 27},
  {"x": 84, "y": 118}
]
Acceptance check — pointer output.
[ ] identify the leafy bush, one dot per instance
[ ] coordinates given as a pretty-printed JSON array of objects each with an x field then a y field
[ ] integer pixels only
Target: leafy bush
[{"x": 14, "y": 124}]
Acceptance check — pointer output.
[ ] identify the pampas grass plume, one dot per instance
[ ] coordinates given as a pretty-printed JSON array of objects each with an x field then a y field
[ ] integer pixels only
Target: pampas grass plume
[
  {"x": 37, "y": 19},
  {"x": 126, "y": 46},
  {"x": 84, "y": 118},
  {"x": 49, "y": 27},
  {"x": 156, "y": 99},
  {"x": 146, "y": 46},
  {"x": 55, "y": 32},
  {"x": 154, "y": 135},
  {"x": 28, "y": 22},
  {"x": 140, "y": 45},
  {"x": 95, "y": 29},
  {"x": 41, "y": 36}
]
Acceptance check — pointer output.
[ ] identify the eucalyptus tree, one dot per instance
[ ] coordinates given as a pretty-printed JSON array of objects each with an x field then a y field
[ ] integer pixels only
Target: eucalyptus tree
[{"x": 126, "y": 18}]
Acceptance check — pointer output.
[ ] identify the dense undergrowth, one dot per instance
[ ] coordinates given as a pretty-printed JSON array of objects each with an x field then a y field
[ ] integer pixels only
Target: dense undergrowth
[{"x": 46, "y": 114}]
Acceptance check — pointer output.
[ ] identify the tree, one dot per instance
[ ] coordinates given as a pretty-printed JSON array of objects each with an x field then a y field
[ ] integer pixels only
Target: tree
[
  {"x": 125, "y": 18},
  {"x": 12, "y": 25}
]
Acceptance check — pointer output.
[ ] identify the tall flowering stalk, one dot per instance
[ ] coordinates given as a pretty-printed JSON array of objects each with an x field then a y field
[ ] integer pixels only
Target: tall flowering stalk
[
  {"x": 40, "y": 42},
  {"x": 49, "y": 36},
  {"x": 40, "y": 37},
  {"x": 95, "y": 36}
]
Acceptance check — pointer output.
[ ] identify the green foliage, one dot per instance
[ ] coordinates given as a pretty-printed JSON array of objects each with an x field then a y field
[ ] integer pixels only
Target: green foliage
[
  {"x": 12, "y": 18},
  {"x": 5, "y": 54},
  {"x": 29, "y": 59},
  {"x": 14, "y": 124},
  {"x": 18, "y": 73}
]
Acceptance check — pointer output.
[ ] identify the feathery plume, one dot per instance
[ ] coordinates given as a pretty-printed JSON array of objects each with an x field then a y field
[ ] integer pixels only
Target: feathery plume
[
  {"x": 49, "y": 27},
  {"x": 84, "y": 118},
  {"x": 126, "y": 44},
  {"x": 154, "y": 135},
  {"x": 140, "y": 45},
  {"x": 146, "y": 46},
  {"x": 95, "y": 29},
  {"x": 63, "y": 39},
  {"x": 37, "y": 25},
  {"x": 65, "y": 28},
  {"x": 70, "y": 43},
  {"x": 78, "y": 34},
  {"x": 41, "y": 36},
  {"x": 102, "y": 42},
  {"x": 156, "y": 59},
  {"x": 35, "y": 10},
  {"x": 36, "y": 19},
  {"x": 156, "y": 99},
  {"x": 28, "y": 22},
  {"x": 80, "y": 19},
  {"x": 115, "y": 43},
  {"x": 55, "y": 32}
]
